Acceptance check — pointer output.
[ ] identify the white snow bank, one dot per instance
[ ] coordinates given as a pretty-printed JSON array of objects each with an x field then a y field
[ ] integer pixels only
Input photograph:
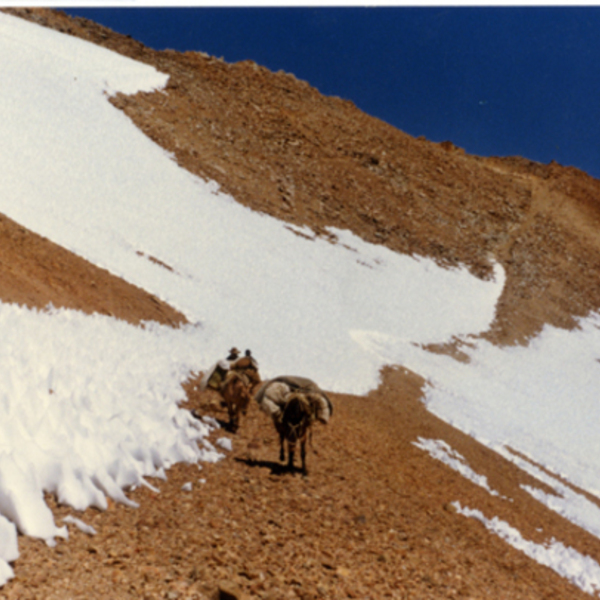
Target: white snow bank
[
  {"x": 9, "y": 550},
  {"x": 61, "y": 56},
  {"x": 88, "y": 408},
  {"x": 581, "y": 570}
]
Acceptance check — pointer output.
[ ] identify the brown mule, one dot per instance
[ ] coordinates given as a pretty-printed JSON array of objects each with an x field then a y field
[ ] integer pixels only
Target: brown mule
[
  {"x": 293, "y": 426},
  {"x": 294, "y": 404},
  {"x": 236, "y": 391}
]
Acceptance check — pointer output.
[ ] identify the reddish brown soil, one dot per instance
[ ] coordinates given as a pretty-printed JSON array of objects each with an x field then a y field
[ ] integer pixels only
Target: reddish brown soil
[
  {"x": 36, "y": 272},
  {"x": 373, "y": 519}
]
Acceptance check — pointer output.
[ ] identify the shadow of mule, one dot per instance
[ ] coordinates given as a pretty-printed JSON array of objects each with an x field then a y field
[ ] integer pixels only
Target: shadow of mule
[{"x": 275, "y": 467}]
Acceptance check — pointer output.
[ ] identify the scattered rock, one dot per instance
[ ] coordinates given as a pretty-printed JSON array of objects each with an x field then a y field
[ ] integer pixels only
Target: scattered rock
[{"x": 228, "y": 590}]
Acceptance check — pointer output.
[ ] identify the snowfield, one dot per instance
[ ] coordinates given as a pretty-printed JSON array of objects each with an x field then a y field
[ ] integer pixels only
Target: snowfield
[{"x": 90, "y": 403}]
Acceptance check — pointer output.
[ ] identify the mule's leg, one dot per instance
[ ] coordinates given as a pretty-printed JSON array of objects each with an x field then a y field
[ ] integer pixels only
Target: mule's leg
[
  {"x": 237, "y": 411},
  {"x": 279, "y": 430},
  {"x": 230, "y": 411},
  {"x": 303, "y": 455},
  {"x": 245, "y": 401},
  {"x": 234, "y": 421},
  {"x": 240, "y": 402},
  {"x": 291, "y": 451}
]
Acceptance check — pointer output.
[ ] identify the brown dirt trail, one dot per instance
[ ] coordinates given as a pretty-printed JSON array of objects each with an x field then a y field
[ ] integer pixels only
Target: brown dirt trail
[{"x": 372, "y": 520}]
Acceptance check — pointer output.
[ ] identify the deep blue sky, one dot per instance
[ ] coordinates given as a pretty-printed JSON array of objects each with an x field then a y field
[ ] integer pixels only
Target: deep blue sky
[{"x": 494, "y": 80}]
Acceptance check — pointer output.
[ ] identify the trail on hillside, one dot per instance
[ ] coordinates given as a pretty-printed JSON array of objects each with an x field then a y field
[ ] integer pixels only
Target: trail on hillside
[{"x": 373, "y": 519}]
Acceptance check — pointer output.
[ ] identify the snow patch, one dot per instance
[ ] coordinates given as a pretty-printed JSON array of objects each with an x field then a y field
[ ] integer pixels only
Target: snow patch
[
  {"x": 581, "y": 570},
  {"x": 441, "y": 451},
  {"x": 567, "y": 502},
  {"x": 84, "y": 527},
  {"x": 225, "y": 443}
]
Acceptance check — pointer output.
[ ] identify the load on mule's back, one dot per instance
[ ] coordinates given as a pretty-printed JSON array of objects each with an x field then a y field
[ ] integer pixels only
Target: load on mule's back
[
  {"x": 294, "y": 404},
  {"x": 234, "y": 378}
]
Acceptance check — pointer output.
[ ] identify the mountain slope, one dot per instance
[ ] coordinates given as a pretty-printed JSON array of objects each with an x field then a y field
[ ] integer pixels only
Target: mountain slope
[{"x": 280, "y": 147}]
